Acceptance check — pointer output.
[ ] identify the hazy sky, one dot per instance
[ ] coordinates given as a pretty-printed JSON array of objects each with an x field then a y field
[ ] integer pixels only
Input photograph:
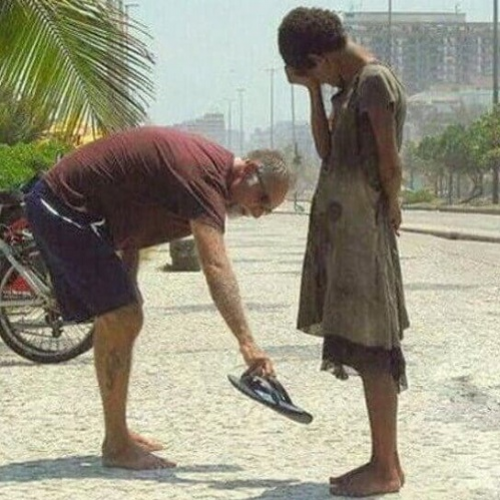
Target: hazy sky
[{"x": 206, "y": 49}]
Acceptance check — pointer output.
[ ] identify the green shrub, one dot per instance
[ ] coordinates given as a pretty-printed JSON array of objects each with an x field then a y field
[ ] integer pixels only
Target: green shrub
[
  {"x": 421, "y": 196},
  {"x": 18, "y": 163}
]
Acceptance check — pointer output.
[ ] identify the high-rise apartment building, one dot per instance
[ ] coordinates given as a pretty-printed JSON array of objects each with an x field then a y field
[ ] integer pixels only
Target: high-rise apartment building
[
  {"x": 210, "y": 125},
  {"x": 428, "y": 49}
]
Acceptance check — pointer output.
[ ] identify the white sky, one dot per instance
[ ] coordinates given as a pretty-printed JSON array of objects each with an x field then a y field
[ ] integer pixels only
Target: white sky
[{"x": 206, "y": 49}]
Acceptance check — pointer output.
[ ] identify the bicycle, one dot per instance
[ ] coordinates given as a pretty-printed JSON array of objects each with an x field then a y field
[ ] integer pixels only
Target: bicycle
[{"x": 30, "y": 321}]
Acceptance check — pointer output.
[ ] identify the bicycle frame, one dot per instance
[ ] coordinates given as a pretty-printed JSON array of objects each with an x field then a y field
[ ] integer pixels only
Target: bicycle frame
[{"x": 41, "y": 290}]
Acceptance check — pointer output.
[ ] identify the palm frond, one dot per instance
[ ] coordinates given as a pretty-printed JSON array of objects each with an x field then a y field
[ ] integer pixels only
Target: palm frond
[{"x": 81, "y": 60}]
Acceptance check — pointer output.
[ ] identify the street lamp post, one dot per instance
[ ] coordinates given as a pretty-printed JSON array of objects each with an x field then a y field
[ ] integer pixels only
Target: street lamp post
[
  {"x": 229, "y": 123},
  {"x": 389, "y": 34},
  {"x": 294, "y": 132},
  {"x": 129, "y": 6},
  {"x": 240, "y": 99},
  {"x": 495, "y": 52},
  {"x": 271, "y": 106},
  {"x": 495, "y": 180},
  {"x": 125, "y": 12}
]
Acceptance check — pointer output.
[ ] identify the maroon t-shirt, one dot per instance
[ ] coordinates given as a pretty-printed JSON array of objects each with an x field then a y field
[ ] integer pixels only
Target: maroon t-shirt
[{"x": 147, "y": 183}]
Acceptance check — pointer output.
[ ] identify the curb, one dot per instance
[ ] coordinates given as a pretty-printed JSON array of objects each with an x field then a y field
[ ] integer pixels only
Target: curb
[
  {"x": 456, "y": 210},
  {"x": 431, "y": 231},
  {"x": 452, "y": 235}
]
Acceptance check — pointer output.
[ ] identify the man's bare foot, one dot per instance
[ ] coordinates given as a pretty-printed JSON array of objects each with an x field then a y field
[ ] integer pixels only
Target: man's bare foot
[
  {"x": 365, "y": 481},
  {"x": 347, "y": 475},
  {"x": 145, "y": 443},
  {"x": 133, "y": 456}
]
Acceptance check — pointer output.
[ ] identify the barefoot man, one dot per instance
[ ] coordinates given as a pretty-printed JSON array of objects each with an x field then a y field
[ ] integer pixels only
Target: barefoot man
[{"x": 97, "y": 207}]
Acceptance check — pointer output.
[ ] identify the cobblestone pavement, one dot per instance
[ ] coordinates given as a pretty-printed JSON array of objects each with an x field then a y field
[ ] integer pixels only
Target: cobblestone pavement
[{"x": 228, "y": 447}]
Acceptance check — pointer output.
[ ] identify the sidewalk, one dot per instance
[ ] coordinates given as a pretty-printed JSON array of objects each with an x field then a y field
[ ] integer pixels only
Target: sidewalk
[{"x": 228, "y": 447}]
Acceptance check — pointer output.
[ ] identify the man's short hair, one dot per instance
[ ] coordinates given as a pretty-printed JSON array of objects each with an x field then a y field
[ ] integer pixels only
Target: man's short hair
[
  {"x": 304, "y": 31},
  {"x": 274, "y": 165}
]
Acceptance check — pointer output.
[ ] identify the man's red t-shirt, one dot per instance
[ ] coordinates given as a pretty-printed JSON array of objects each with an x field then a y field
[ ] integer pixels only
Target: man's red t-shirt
[{"x": 147, "y": 183}]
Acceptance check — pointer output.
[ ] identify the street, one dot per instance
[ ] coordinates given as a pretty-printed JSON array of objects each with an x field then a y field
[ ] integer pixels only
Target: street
[{"x": 228, "y": 447}]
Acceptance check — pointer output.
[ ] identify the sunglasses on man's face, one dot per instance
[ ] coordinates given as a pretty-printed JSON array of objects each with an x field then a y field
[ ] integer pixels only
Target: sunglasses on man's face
[{"x": 265, "y": 199}]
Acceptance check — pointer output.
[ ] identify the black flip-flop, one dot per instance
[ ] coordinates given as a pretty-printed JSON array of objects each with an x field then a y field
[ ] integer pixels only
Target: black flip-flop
[{"x": 269, "y": 392}]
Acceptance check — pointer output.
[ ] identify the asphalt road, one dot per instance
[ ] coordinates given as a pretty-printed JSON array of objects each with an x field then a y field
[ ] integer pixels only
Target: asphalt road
[{"x": 227, "y": 447}]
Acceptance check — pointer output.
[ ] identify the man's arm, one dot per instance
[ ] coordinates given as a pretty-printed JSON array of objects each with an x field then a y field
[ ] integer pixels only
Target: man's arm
[
  {"x": 390, "y": 168},
  {"x": 225, "y": 293}
]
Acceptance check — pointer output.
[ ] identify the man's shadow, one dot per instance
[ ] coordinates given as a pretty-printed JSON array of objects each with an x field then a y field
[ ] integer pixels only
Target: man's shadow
[{"x": 89, "y": 467}]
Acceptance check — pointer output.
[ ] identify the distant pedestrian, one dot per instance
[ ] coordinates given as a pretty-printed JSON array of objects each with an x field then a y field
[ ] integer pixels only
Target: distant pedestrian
[
  {"x": 352, "y": 293},
  {"x": 132, "y": 190}
]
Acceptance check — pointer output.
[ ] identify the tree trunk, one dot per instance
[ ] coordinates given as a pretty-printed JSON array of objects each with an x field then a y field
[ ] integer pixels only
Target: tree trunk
[
  {"x": 450, "y": 188},
  {"x": 495, "y": 179}
]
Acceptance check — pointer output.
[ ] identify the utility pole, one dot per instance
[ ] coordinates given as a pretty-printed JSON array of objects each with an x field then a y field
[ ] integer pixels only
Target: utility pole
[
  {"x": 389, "y": 34},
  {"x": 495, "y": 52},
  {"x": 294, "y": 132},
  {"x": 229, "y": 132},
  {"x": 271, "y": 72},
  {"x": 495, "y": 180},
  {"x": 240, "y": 99},
  {"x": 128, "y": 6},
  {"x": 297, "y": 160}
]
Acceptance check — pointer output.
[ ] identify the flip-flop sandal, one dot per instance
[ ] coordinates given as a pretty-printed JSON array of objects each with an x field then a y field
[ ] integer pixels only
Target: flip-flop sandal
[{"x": 269, "y": 392}]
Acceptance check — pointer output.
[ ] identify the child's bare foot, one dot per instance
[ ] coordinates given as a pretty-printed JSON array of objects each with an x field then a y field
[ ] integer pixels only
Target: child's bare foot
[
  {"x": 133, "y": 456},
  {"x": 365, "y": 481},
  {"x": 346, "y": 475},
  {"x": 145, "y": 443}
]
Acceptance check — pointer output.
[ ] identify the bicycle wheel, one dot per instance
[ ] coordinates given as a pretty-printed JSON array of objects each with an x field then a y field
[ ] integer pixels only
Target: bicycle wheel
[{"x": 29, "y": 325}]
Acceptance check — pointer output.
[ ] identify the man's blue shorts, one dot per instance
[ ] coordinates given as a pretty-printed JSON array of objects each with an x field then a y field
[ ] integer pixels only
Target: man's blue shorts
[{"x": 88, "y": 277}]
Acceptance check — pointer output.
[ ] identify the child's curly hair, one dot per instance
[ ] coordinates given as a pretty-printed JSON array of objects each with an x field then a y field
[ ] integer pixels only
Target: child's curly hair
[{"x": 305, "y": 31}]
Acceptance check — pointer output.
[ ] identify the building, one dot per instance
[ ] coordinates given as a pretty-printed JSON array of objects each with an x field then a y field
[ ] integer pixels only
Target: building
[
  {"x": 427, "y": 49},
  {"x": 285, "y": 134},
  {"x": 210, "y": 125},
  {"x": 430, "y": 112}
]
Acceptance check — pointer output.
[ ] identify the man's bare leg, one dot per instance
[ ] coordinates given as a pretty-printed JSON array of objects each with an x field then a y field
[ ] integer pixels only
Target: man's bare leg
[
  {"x": 114, "y": 337},
  {"x": 383, "y": 474},
  {"x": 131, "y": 260}
]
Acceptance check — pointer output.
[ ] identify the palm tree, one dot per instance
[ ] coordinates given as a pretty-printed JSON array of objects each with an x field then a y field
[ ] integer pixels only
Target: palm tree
[
  {"x": 80, "y": 62},
  {"x": 20, "y": 120}
]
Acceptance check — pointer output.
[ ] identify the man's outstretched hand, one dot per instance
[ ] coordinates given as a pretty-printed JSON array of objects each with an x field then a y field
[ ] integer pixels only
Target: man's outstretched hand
[{"x": 258, "y": 361}]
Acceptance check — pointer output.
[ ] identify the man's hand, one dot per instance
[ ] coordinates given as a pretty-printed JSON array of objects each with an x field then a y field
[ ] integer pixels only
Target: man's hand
[
  {"x": 257, "y": 360},
  {"x": 300, "y": 77}
]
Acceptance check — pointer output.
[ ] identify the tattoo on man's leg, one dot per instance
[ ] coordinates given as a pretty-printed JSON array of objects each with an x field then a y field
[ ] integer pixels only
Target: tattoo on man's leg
[{"x": 114, "y": 364}]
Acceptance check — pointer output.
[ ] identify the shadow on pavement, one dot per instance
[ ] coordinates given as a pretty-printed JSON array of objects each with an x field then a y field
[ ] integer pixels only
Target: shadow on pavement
[
  {"x": 210, "y": 307},
  {"x": 5, "y": 363},
  {"x": 452, "y": 287},
  {"x": 297, "y": 491},
  {"x": 19, "y": 361},
  {"x": 89, "y": 467}
]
